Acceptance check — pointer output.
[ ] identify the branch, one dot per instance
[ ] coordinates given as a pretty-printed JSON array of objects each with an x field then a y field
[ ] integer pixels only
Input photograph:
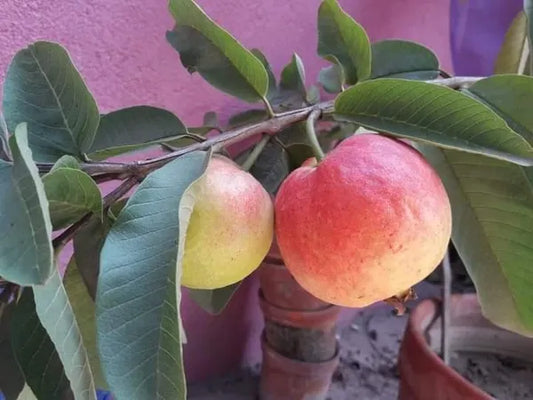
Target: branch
[
  {"x": 65, "y": 236},
  {"x": 271, "y": 126}
]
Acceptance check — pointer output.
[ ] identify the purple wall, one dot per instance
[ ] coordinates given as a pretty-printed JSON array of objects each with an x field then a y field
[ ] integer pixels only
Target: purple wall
[{"x": 119, "y": 47}]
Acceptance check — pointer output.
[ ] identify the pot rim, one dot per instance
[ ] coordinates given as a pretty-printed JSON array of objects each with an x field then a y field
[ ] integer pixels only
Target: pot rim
[
  {"x": 422, "y": 317},
  {"x": 316, "y": 318}
]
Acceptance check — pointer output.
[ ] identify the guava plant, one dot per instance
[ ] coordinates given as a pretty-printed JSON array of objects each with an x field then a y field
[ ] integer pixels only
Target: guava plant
[{"x": 112, "y": 319}]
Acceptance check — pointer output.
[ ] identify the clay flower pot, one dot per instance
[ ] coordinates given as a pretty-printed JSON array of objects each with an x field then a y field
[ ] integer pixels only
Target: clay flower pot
[
  {"x": 300, "y": 349},
  {"x": 424, "y": 375},
  {"x": 286, "y": 378}
]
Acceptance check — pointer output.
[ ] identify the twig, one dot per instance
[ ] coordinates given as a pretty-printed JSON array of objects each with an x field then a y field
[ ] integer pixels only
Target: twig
[
  {"x": 311, "y": 134},
  {"x": 273, "y": 125},
  {"x": 65, "y": 236},
  {"x": 446, "y": 298},
  {"x": 252, "y": 157}
]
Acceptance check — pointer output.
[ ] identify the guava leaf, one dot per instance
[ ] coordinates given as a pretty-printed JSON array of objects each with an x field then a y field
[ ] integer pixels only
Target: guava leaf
[
  {"x": 342, "y": 40},
  {"x": 432, "y": 114},
  {"x": 331, "y": 78},
  {"x": 528, "y": 9},
  {"x": 214, "y": 301},
  {"x": 211, "y": 51},
  {"x": 57, "y": 316},
  {"x": 11, "y": 377},
  {"x": 138, "y": 294},
  {"x": 293, "y": 76},
  {"x": 88, "y": 244},
  {"x": 84, "y": 310},
  {"x": 134, "y": 128},
  {"x": 515, "y": 44},
  {"x": 272, "y": 85},
  {"x": 35, "y": 352},
  {"x": 271, "y": 167},
  {"x": 71, "y": 194},
  {"x": 492, "y": 206},
  {"x": 507, "y": 95},
  {"x": 44, "y": 89},
  {"x": 403, "y": 59},
  {"x": 26, "y": 255},
  {"x": 66, "y": 162}
]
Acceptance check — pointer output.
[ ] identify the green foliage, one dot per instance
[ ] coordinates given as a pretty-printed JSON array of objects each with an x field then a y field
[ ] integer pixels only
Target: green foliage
[
  {"x": 342, "y": 40},
  {"x": 11, "y": 377},
  {"x": 515, "y": 46},
  {"x": 293, "y": 77},
  {"x": 35, "y": 352},
  {"x": 44, "y": 89},
  {"x": 132, "y": 129},
  {"x": 66, "y": 162},
  {"x": 528, "y": 9},
  {"x": 57, "y": 317},
  {"x": 507, "y": 95},
  {"x": 71, "y": 194},
  {"x": 492, "y": 204},
  {"x": 272, "y": 86},
  {"x": 403, "y": 59},
  {"x": 88, "y": 244},
  {"x": 206, "y": 48},
  {"x": 137, "y": 302},
  {"x": 26, "y": 255},
  {"x": 432, "y": 114},
  {"x": 84, "y": 310},
  {"x": 332, "y": 78},
  {"x": 271, "y": 167},
  {"x": 214, "y": 301}
]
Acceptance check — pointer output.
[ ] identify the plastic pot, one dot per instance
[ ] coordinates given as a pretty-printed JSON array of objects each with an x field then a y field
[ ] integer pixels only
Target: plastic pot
[
  {"x": 424, "y": 375},
  {"x": 283, "y": 378}
]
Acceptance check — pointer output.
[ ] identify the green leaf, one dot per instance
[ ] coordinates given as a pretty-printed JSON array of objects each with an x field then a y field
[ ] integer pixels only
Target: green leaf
[
  {"x": 57, "y": 317},
  {"x": 298, "y": 153},
  {"x": 507, "y": 95},
  {"x": 138, "y": 297},
  {"x": 88, "y": 244},
  {"x": 313, "y": 95},
  {"x": 514, "y": 47},
  {"x": 247, "y": 117},
  {"x": 134, "y": 128},
  {"x": 403, "y": 59},
  {"x": 71, "y": 194},
  {"x": 11, "y": 377},
  {"x": 44, "y": 89},
  {"x": 214, "y": 301},
  {"x": 433, "y": 114},
  {"x": 26, "y": 394},
  {"x": 272, "y": 86},
  {"x": 211, "y": 51},
  {"x": 66, "y": 162},
  {"x": 342, "y": 40},
  {"x": 26, "y": 255},
  {"x": 84, "y": 311},
  {"x": 492, "y": 204},
  {"x": 35, "y": 352},
  {"x": 211, "y": 119},
  {"x": 331, "y": 78},
  {"x": 271, "y": 167},
  {"x": 293, "y": 76},
  {"x": 293, "y": 134}
]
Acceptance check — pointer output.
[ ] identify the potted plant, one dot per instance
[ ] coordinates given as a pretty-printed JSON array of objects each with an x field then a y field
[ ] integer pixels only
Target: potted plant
[{"x": 195, "y": 218}]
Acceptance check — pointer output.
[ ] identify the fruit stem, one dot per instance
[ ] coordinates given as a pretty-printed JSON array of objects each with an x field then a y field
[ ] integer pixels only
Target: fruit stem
[
  {"x": 252, "y": 157},
  {"x": 311, "y": 134}
]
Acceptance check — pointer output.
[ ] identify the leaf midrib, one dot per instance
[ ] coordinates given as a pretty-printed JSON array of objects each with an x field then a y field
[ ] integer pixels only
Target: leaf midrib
[{"x": 56, "y": 98}]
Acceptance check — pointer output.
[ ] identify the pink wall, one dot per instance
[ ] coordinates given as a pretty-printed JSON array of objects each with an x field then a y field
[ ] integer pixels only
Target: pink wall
[{"x": 119, "y": 47}]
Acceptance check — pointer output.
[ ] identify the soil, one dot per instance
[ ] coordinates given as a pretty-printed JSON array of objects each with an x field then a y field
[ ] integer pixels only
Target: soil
[{"x": 504, "y": 378}]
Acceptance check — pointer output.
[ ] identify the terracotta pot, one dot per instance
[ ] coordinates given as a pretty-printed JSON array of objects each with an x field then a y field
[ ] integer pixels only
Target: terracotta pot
[
  {"x": 301, "y": 335},
  {"x": 423, "y": 373},
  {"x": 283, "y": 378},
  {"x": 282, "y": 290}
]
